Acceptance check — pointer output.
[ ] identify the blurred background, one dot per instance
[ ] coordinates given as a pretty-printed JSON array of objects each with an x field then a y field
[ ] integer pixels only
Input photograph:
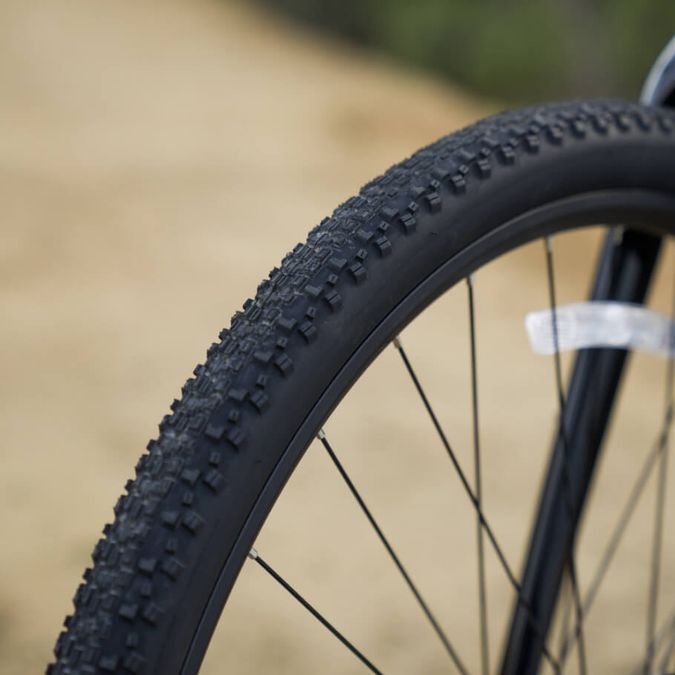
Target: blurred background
[
  {"x": 158, "y": 158},
  {"x": 514, "y": 51}
]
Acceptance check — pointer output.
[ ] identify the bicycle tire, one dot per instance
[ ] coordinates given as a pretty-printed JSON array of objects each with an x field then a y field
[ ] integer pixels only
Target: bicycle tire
[{"x": 185, "y": 524}]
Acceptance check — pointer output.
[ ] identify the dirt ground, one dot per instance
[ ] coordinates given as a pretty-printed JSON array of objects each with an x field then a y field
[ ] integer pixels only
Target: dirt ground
[{"x": 157, "y": 159}]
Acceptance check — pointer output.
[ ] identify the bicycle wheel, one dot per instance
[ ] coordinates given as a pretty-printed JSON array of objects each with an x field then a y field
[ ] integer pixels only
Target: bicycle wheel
[{"x": 181, "y": 533}]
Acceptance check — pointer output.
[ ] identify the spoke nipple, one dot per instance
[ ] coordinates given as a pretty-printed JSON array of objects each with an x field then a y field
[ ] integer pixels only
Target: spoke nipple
[
  {"x": 321, "y": 435},
  {"x": 618, "y": 233},
  {"x": 548, "y": 243},
  {"x": 253, "y": 554},
  {"x": 469, "y": 280},
  {"x": 397, "y": 342}
]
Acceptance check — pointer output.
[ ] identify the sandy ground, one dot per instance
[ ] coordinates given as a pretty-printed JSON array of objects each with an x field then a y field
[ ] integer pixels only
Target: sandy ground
[{"x": 157, "y": 160}]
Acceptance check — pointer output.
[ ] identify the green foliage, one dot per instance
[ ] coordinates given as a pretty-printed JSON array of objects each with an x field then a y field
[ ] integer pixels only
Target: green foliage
[{"x": 516, "y": 50}]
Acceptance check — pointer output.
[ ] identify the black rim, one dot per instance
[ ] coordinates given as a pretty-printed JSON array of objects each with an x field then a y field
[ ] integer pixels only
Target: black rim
[{"x": 644, "y": 210}]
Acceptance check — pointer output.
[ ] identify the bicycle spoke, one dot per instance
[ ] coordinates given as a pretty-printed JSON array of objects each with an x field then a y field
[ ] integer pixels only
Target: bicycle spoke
[
  {"x": 666, "y": 632},
  {"x": 617, "y": 534},
  {"x": 254, "y": 555},
  {"x": 482, "y": 590},
  {"x": 565, "y": 612},
  {"x": 572, "y": 572},
  {"x": 656, "y": 558},
  {"x": 390, "y": 550},
  {"x": 667, "y": 655},
  {"x": 474, "y": 501},
  {"x": 657, "y": 540}
]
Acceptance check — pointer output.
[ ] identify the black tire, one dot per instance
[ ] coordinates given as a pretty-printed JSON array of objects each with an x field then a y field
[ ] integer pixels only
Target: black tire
[{"x": 202, "y": 491}]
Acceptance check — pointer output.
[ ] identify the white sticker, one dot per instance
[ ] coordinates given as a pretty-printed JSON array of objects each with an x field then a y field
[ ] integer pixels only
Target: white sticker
[{"x": 601, "y": 324}]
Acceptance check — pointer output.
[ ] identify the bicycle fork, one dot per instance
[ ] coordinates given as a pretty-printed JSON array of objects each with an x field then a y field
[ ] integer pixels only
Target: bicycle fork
[{"x": 624, "y": 273}]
